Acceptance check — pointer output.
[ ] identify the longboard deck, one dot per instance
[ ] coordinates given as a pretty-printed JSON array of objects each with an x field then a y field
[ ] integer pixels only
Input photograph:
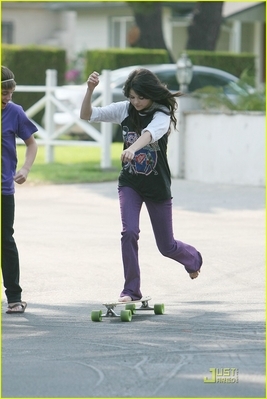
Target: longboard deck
[
  {"x": 116, "y": 303},
  {"x": 130, "y": 309}
]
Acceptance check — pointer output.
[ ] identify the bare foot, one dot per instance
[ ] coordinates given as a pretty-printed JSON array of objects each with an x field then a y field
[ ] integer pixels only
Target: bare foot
[
  {"x": 194, "y": 274},
  {"x": 125, "y": 299}
]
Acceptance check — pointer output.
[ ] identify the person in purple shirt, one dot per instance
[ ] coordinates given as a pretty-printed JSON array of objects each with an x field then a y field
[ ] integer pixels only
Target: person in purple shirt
[{"x": 15, "y": 123}]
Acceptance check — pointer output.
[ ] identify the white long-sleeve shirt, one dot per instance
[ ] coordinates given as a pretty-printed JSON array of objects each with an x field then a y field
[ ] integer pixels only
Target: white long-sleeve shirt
[{"x": 117, "y": 112}]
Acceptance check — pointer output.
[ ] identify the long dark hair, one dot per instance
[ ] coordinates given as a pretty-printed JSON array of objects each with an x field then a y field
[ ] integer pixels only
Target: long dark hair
[
  {"x": 146, "y": 84},
  {"x": 7, "y": 79}
]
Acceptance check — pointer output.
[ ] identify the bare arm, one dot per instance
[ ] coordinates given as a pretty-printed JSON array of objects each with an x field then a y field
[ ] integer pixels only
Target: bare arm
[
  {"x": 31, "y": 151},
  {"x": 128, "y": 154},
  {"x": 86, "y": 108}
]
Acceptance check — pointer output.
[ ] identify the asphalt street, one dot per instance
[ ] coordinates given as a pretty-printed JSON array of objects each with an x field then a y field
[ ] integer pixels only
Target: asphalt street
[{"x": 210, "y": 343}]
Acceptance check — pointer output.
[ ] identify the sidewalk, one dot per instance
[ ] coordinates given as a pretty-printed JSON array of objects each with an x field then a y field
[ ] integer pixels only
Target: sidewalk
[{"x": 69, "y": 242}]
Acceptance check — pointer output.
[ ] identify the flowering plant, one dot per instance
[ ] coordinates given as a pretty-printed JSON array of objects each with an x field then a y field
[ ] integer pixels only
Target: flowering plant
[
  {"x": 72, "y": 76},
  {"x": 75, "y": 69}
]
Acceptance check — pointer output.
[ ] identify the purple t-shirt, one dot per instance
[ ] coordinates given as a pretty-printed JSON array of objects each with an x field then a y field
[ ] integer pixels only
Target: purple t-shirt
[{"x": 15, "y": 123}]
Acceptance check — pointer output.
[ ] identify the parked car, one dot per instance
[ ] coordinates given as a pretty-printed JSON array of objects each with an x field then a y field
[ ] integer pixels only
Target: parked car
[{"x": 202, "y": 76}]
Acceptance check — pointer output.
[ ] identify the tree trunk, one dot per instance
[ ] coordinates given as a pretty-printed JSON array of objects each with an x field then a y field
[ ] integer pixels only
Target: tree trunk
[
  {"x": 205, "y": 26},
  {"x": 148, "y": 18}
]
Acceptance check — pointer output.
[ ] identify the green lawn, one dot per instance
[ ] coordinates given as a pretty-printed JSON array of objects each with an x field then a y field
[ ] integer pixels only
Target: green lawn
[{"x": 72, "y": 165}]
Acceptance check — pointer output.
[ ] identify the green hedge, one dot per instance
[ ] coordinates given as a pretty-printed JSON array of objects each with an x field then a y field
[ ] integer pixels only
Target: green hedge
[
  {"x": 234, "y": 63},
  {"x": 114, "y": 58},
  {"x": 29, "y": 65}
]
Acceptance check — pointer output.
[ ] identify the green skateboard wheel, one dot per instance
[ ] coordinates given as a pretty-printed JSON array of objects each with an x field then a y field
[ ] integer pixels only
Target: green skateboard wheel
[
  {"x": 159, "y": 308},
  {"x": 131, "y": 307},
  {"x": 96, "y": 315},
  {"x": 126, "y": 315}
]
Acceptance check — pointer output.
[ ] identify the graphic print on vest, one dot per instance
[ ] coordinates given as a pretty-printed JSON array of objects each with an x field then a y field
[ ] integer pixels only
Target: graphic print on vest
[{"x": 145, "y": 160}]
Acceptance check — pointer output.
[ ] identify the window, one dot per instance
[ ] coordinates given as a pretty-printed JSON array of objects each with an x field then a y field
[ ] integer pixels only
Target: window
[
  {"x": 7, "y": 32},
  {"x": 119, "y": 31}
]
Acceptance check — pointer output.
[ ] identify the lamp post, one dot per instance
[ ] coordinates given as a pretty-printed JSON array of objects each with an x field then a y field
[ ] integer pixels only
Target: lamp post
[{"x": 184, "y": 72}]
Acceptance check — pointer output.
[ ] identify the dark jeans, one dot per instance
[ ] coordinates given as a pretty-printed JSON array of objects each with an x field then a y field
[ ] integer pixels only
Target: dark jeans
[
  {"x": 10, "y": 257},
  {"x": 161, "y": 219}
]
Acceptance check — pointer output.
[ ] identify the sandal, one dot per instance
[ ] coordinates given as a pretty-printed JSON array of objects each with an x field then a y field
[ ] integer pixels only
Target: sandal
[{"x": 17, "y": 307}]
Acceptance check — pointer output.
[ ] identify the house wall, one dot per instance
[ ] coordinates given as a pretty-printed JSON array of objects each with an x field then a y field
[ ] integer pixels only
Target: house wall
[
  {"x": 179, "y": 39},
  {"x": 223, "y": 42},
  {"x": 31, "y": 25},
  {"x": 91, "y": 33},
  {"x": 248, "y": 32},
  {"x": 93, "y": 28},
  {"x": 90, "y": 28}
]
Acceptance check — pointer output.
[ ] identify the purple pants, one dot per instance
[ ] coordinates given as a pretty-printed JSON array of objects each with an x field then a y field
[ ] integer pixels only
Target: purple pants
[{"x": 160, "y": 214}]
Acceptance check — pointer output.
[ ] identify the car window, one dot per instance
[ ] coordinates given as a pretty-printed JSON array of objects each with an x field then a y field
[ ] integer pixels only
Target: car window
[
  {"x": 201, "y": 79},
  {"x": 169, "y": 78},
  {"x": 234, "y": 88},
  {"x": 195, "y": 83}
]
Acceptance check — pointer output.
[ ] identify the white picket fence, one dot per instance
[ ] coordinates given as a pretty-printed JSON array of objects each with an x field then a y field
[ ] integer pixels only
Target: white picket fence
[{"x": 49, "y": 135}]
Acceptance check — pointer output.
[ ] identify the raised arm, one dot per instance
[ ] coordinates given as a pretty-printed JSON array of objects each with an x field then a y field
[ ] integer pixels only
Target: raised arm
[{"x": 86, "y": 108}]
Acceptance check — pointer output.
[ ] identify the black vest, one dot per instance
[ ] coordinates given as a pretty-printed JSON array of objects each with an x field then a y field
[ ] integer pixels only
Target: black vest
[{"x": 149, "y": 172}]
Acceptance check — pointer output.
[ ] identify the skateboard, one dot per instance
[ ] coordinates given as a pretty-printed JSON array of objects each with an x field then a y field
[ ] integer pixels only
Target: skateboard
[{"x": 128, "y": 311}]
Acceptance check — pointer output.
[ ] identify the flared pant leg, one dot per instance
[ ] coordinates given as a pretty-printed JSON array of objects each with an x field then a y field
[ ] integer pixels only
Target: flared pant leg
[
  {"x": 130, "y": 206},
  {"x": 160, "y": 214},
  {"x": 161, "y": 219}
]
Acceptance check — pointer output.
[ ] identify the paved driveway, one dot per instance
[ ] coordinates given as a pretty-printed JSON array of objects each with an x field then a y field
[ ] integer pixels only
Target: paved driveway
[{"x": 213, "y": 329}]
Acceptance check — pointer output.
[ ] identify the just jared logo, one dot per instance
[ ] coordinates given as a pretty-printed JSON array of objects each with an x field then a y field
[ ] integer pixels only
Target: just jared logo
[{"x": 225, "y": 375}]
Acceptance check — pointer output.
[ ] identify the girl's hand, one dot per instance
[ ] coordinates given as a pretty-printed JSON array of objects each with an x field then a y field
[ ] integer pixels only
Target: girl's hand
[
  {"x": 93, "y": 80},
  {"x": 127, "y": 156}
]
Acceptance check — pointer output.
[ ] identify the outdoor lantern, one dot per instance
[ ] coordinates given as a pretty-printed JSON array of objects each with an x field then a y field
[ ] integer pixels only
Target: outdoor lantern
[{"x": 184, "y": 72}]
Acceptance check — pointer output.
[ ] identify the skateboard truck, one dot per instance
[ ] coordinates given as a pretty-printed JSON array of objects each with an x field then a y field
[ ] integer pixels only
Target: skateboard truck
[{"x": 145, "y": 306}]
